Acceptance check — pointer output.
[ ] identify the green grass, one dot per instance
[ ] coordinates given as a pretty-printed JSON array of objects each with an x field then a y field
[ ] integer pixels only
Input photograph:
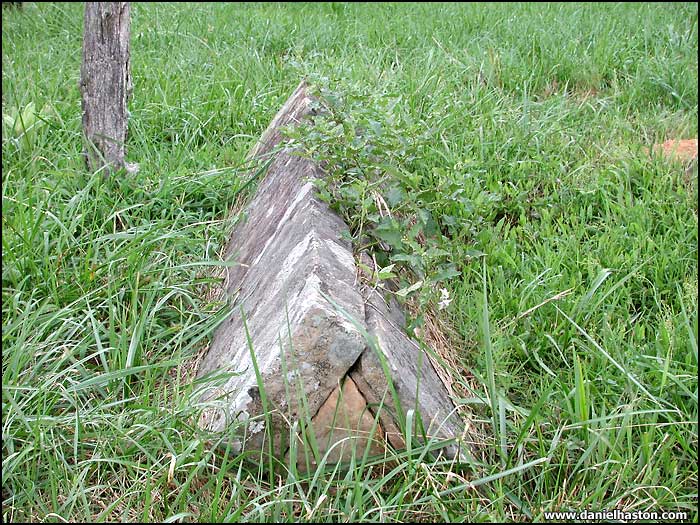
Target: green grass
[{"x": 539, "y": 114}]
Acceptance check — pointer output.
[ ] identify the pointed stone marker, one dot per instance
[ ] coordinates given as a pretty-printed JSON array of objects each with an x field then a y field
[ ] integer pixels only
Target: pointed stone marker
[
  {"x": 290, "y": 252},
  {"x": 300, "y": 312}
]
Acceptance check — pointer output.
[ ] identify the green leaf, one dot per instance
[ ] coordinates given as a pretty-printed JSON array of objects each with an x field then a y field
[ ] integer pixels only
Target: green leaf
[
  {"x": 388, "y": 230},
  {"x": 395, "y": 195},
  {"x": 430, "y": 227},
  {"x": 436, "y": 252},
  {"x": 403, "y": 292},
  {"x": 26, "y": 120},
  {"x": 9, "y": 120},
  {"x": 364, "y": 267},
  {"x": 386, "y": 273},
  {"x": 414, "y": 261},
  {"x": 447, "y": 273},
  {"x": 376, "y": 127},
  {"x": 449, "y": 220}
]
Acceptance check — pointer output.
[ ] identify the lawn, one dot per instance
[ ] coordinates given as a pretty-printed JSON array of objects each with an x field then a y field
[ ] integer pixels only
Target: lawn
[{"x": 522, "y": 129}]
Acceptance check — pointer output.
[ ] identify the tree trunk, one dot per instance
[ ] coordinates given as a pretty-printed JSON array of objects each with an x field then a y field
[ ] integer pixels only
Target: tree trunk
[{"x": 105, "y": 83}]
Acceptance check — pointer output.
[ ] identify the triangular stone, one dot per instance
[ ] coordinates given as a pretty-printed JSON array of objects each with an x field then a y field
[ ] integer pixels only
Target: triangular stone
[{"x": 299, "y": 306}]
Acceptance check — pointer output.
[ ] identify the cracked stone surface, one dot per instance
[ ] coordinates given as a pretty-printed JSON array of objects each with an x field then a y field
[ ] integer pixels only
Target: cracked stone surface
[{"x": 415, "y": 381}]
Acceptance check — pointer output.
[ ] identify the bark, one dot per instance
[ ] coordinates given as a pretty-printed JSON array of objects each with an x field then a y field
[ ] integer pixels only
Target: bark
[{"x": 105, "y": 83}]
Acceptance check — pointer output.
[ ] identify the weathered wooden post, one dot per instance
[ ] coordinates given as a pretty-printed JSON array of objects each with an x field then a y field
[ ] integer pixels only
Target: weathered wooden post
[{"x": 105, "y": 82}]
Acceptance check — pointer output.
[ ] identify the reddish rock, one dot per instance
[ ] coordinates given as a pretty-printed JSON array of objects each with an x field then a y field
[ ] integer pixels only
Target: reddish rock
[{"x": 343, "y": 426}]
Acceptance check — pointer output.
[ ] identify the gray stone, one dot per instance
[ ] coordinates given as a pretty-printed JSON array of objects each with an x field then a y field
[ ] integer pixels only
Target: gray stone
[
  {"x": 105, "y": 84},
  {"x": 300, "y": 311},
  {"x": 290, "y": 253},
  {"x": 416, "y": 383}
]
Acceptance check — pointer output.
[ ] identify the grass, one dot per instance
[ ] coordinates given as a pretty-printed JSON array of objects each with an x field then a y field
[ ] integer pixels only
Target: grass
[{"x": 579, "y": 324}]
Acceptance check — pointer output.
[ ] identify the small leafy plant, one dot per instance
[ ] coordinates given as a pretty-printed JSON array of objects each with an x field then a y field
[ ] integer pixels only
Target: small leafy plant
[{"x": 371, "y": 151}]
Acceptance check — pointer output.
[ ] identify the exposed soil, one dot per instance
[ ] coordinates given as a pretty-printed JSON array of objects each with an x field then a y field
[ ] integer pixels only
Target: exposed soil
[{"x": 684, "y": 150}]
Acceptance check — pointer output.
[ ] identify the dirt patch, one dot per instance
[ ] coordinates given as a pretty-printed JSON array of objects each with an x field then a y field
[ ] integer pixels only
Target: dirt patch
[{"x": 684, "y": 150}]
